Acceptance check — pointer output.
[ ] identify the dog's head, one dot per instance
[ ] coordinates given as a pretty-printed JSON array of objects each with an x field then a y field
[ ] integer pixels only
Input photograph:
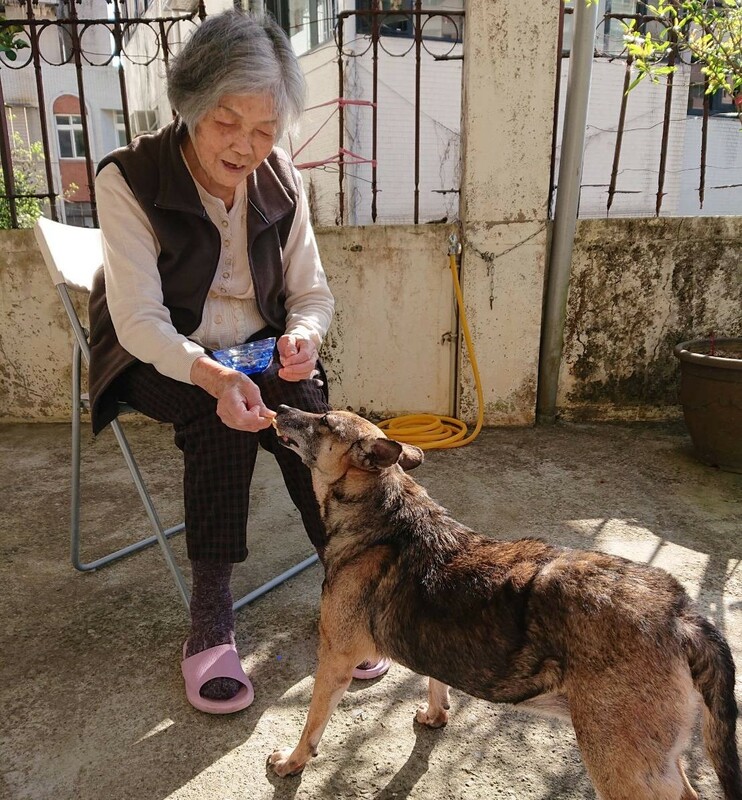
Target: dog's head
[{"x": 337, "y": 441}]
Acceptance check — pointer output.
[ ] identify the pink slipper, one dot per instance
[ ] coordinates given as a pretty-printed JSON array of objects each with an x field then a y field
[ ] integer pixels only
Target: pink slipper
[
  {"x": 373, "y": 670},
  {"x": 221, "y": 661}
]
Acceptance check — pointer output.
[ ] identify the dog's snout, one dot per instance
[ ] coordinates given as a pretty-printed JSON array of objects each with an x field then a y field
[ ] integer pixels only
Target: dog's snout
[{"x": 283, "y": 409}]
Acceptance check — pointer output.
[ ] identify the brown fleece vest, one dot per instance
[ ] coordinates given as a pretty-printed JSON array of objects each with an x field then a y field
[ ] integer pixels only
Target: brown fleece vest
[{"x": 189, "y": 249}]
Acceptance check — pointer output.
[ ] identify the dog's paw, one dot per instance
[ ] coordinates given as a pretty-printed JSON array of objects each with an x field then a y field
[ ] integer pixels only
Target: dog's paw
[
  {"x": 282, "y": 764},
  {"x": 433, "y": 718}
]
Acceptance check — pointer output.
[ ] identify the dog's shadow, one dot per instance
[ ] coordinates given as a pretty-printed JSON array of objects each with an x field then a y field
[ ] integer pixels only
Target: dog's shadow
[
  {"x": 415, "y": 767},
  {"x": 401, "y": 784}
]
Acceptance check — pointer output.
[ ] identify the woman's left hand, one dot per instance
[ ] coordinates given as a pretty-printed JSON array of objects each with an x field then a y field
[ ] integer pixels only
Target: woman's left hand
[{"x": 298, "y": 357}]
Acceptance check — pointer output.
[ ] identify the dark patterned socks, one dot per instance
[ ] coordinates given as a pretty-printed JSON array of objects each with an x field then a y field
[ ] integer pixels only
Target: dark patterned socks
[{"x": 212, "y": 620}]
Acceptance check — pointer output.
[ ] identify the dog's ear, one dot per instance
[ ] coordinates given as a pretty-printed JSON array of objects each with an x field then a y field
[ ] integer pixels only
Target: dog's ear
[
  {"x": 370, "y": 454},
  {"x": 411, "y": 457}
]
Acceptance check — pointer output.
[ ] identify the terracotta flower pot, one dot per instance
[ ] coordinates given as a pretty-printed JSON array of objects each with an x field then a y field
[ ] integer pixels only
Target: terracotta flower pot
[{"x": 711, "y": 396}]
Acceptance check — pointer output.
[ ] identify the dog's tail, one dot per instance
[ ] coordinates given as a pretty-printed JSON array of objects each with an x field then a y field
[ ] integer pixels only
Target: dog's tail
[{"x": 712, "y": 670}]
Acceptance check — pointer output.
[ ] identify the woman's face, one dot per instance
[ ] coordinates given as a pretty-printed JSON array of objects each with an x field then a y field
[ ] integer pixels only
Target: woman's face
[{"x": 230, "y": 142}]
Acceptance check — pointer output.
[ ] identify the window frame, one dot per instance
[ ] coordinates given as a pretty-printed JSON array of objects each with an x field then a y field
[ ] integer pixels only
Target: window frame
[
  {"x": 719, "y": 106},
  {"x": 73, "y": 129},
  {"x": 119, "y": 128}
]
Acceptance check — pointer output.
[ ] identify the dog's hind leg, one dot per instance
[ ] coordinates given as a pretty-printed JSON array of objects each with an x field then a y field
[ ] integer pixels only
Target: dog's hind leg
[
  {"x": 631, "y": 733},
  {"x": 621, "y": 771},
  {"x": 435, "y": 714}
]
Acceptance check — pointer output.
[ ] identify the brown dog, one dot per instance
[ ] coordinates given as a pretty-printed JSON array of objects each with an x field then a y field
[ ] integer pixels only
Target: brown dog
[{"x": 615, "y": 646}]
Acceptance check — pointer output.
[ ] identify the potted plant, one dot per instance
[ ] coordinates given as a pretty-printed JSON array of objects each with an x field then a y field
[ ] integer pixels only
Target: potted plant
[{"x": 711, "y": 397}]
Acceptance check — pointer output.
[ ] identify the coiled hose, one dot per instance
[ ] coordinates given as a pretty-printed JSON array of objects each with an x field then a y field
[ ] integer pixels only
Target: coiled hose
[{"x": 431, "y": 431}]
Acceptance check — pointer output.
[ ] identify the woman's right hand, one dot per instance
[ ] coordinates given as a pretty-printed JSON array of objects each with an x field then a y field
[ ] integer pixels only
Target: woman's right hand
[{"x": 239, "y": 404}]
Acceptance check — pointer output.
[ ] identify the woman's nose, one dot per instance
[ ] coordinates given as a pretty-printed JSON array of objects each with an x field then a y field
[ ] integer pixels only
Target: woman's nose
[{"x": 243, "y": 145}]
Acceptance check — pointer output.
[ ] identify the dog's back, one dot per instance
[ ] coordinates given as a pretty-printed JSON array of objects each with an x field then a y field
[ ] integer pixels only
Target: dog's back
[{"x": 446, "y": 601}]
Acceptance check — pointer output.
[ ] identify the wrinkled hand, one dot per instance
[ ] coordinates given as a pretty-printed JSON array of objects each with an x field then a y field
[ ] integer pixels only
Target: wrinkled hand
[
  {"x": 239, "y": 404},
  {"x": 298, "y": 358}
]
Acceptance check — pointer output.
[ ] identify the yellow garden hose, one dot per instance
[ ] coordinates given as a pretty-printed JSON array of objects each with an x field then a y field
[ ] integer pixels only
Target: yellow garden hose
[{"x": 430, "y": 431}]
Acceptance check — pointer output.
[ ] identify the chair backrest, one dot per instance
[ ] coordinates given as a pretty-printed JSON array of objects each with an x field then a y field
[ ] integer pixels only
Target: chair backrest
[{"x": 72, "y": 254}]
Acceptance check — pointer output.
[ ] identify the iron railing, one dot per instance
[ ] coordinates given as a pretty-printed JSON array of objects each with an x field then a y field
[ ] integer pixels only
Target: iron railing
[
  {"x": 32, "y": 28},
  {"x": 374, "y": 21},
  {"x": 126, "y": 31},
  {"x": 677, "y": 111}
]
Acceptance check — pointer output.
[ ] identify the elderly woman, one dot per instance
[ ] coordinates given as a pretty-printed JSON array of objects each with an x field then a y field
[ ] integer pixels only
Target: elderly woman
[{"x": 208, "y": 244}]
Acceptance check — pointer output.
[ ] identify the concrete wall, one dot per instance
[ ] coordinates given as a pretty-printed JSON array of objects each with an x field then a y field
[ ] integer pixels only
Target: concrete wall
[
  {"x": 389, "y": 351},
  {"x": 638, "y": 285},
  {"x": 35, "y": 347},
  {"x": 638, "y": 288},
  {"x": 386, "y": 353}
]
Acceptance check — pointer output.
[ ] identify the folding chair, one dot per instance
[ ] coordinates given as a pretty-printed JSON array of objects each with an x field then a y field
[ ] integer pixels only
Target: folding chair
[{"x": 72, "y": 255}]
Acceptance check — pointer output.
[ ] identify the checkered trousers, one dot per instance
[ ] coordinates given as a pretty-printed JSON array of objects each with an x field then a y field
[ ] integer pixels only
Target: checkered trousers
[{"x": 219, "y": 461}]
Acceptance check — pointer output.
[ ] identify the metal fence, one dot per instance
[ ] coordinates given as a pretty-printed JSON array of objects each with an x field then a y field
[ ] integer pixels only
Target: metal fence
[
  {"x": 56, "y": 37},
  {"x": 48, "y": 152},
  {"x": 665, "y": 148},
  {"x": 391, "y": 152},
  {"x": 434, "y": 36}
]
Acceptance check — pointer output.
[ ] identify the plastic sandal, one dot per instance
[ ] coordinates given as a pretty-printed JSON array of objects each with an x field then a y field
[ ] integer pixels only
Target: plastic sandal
[
  {"x": 221, "y": 661},
  {"x": 365, "y": 673}
]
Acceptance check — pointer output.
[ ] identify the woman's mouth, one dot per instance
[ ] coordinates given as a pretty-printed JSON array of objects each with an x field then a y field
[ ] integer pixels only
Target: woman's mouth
[{"x": 230, "y": 167}]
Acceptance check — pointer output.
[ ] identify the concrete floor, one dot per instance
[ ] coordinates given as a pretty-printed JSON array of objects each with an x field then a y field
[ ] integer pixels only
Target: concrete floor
[{"x": 90, "y": 687}]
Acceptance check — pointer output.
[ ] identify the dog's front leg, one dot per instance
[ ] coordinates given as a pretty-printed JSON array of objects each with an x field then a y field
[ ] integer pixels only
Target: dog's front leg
[
  {"x": 334, "y": 674},
  {"x": 435, "y": 715}
]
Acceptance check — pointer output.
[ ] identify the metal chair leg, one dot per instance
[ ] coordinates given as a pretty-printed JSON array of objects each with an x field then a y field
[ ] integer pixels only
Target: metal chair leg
[
  {"x": 271, "y": 584},
  {"x": 161, "y": 534}
]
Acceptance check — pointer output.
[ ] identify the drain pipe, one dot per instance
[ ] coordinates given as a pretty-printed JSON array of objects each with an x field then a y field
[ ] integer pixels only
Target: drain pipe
[{"x": 565, "y": 214}]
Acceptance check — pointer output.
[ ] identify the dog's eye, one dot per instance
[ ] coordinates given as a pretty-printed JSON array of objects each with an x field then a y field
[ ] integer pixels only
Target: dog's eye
[{"x": 324, "y": 421}]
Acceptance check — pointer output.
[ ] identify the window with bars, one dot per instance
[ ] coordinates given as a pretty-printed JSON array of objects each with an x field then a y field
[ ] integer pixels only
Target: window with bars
[
  {"x": 308, "y": 23},
  {"x": 398, "y": 23},
  {"x": 720, "y": 102},
  {"x": 69, "y": 135}
]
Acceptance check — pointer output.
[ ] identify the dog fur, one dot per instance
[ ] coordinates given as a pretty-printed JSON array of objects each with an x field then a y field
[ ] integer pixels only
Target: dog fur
[{"x": 614, "y": 645}]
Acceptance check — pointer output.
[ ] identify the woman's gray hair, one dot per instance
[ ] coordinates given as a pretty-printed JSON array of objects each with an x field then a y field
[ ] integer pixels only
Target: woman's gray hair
[{"x": 236, "y": 52}]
